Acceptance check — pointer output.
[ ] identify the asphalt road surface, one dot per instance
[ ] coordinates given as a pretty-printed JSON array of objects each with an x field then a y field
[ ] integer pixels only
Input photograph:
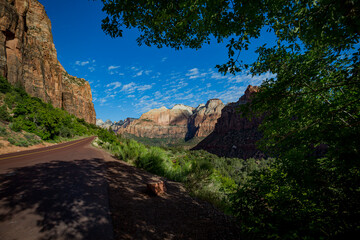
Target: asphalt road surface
[{"x": 58, "y": 192}]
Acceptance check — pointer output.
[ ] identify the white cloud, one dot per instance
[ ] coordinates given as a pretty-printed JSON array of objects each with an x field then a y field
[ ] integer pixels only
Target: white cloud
[
  {"x": 138, "y": 74},
  {"x": 130, "y": 87},
  {"x": 146, "y": 103},
  {"x": 114, "y": 85},
  {"x": 163, "y": 59},
  {"x": 195, "y": 73},
  {"x": 102, "y": 100},
  {"x": 144, "y": 87},
  {"x": 92, "y": 69},
  {"x": 79, "y": 63},
  {"x": 218, "y": 76},
  {"x": 112, "y": 67}
]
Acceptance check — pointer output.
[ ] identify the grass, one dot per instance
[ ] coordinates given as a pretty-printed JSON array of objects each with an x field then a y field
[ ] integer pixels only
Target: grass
[
  {"x": 165, "y": 142},
  {"x": 205, "y": 175}
]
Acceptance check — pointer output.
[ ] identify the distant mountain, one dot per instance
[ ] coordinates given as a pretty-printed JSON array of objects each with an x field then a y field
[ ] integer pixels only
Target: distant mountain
[
  {"x": 234, "y": 135},
  {"x": 179, "y": 122},
  {"x": 115, "y": 126}
]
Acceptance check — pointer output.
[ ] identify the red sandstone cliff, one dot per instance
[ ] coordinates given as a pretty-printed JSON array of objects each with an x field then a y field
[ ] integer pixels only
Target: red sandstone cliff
[
  {"x": 234, "y": 135},
  {"x": 28, "y": 57}
]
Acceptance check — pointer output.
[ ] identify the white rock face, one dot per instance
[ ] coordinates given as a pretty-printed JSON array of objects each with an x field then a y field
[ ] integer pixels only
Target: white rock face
[
  {"x": 99, "y": 122},
  {"x": 184, "y": 107},
  {"x": 199, "y": 107}
]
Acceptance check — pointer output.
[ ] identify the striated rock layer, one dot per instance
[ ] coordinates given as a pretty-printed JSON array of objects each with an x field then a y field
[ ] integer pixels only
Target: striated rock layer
[
  {"x": 28, "y": 58},
  {"x": 234, "y": 135},
  {"x": 182, "y": 122}
]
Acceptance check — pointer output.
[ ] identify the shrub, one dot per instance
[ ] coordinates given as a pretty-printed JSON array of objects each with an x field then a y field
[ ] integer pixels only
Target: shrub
[
  {"x": 22, "y": 143},
  {"x": 4, "y": 114},
  {"x": 66, "y": 132},
  {"x": 32, "y": 139},
  {"x": 4, "y": 85},
  {"x": 3, "y": 131},
  {"x": 15, "y": 126},
  {"x": 154, "y": 161},
  {"x": 12, "y": 141}
]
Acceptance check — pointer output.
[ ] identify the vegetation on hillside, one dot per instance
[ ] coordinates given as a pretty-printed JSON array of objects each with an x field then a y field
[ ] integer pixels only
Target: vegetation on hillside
[
  {"x": 205, "y": 175},
  {"x": 32, "y": 115},
  {"x": 165, "y": 142},
  {"x": 312, "y": 104}
]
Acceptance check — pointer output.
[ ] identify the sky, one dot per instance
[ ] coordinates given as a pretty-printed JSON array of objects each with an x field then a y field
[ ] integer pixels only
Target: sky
[{"x": 126, "y": 79}]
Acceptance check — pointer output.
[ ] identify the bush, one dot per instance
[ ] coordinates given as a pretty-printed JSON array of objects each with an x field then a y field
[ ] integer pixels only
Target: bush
[
  {"x": 4, "y": 114},
  {"x": 66, "y": 132},
  {"x": 4, "y": 85},
  {"x": 12, "y": 141},
  {"x": 154, "y": 161},
  {"x": 22, "y": 143},
  {"x": 3, "y": 131},
  {"x": 32, "y": 139},
  {"x": 15, "y": 126}
]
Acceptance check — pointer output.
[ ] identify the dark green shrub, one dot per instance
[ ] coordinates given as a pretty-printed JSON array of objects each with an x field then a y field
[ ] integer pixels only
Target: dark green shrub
[
  {"x": 3, "y": 131},
  {"x": 12, "y": 141},
  {"x": 32, "y": 139},
  {"x": 15, "y": 126},
  {"x": 22, "y": 143},
  {"x": 153, "y": 160},
  {"x": 4, "y": 85},
  {"x": 66, "y": 132},
  {"x": 4, "y": 114}
]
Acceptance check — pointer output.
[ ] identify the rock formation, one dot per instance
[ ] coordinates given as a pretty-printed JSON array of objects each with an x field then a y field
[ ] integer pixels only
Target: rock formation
[
  {"x": 203, "y": 121},
  {"x": 28, "y": 58},
  {"x": 114, "y": 125},
  {"x": 179, "y": 122},
  {"x": 160, "y": 123},
  {"x": 234, "y": 135}
]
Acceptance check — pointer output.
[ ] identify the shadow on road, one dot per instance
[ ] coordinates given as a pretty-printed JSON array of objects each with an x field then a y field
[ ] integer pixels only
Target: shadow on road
[
  {"x": 67, "y": 200},
  {"x": 138, "y": 215}
]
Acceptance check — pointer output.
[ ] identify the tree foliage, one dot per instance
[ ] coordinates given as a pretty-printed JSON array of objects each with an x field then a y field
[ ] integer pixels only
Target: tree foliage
[{"x": 312, "y": 106}]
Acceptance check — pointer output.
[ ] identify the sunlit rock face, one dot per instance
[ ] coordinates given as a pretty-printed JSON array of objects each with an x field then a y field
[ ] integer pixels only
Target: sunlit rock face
[
  {"x": 181, "y": 121},
  {"x": 28, "y": 58},
  {"x": 203, "y": 121},
  {"x": 234, "y": 135}
]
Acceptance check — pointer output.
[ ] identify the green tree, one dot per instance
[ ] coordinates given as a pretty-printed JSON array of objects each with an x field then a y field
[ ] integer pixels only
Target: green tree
[{"x": 311, "y": 107}]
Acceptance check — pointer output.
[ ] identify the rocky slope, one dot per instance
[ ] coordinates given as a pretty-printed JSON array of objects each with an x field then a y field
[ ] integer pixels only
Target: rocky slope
[
  {"x": 180, "y": 122},
  {"x": 234, "y": 135},
  {"x": 28, "y": 57}
]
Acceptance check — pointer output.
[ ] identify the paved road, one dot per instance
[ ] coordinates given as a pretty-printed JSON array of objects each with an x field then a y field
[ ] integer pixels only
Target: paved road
[{"x": 59, "y": 192}]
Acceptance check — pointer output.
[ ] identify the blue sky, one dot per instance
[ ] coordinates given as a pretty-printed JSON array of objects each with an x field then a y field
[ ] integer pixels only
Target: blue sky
[{"x": 128, "y": 80}]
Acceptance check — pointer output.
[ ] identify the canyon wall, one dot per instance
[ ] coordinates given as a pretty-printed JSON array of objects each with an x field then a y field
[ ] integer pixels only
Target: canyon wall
[
  {"x": 28, "y": 58},
  {"x": 181, "y": 121},
  {"x": 235, "y": 135}
]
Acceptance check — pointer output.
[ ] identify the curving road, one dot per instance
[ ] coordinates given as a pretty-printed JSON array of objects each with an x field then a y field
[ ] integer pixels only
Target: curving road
[{"x": 58, "y": 192}]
